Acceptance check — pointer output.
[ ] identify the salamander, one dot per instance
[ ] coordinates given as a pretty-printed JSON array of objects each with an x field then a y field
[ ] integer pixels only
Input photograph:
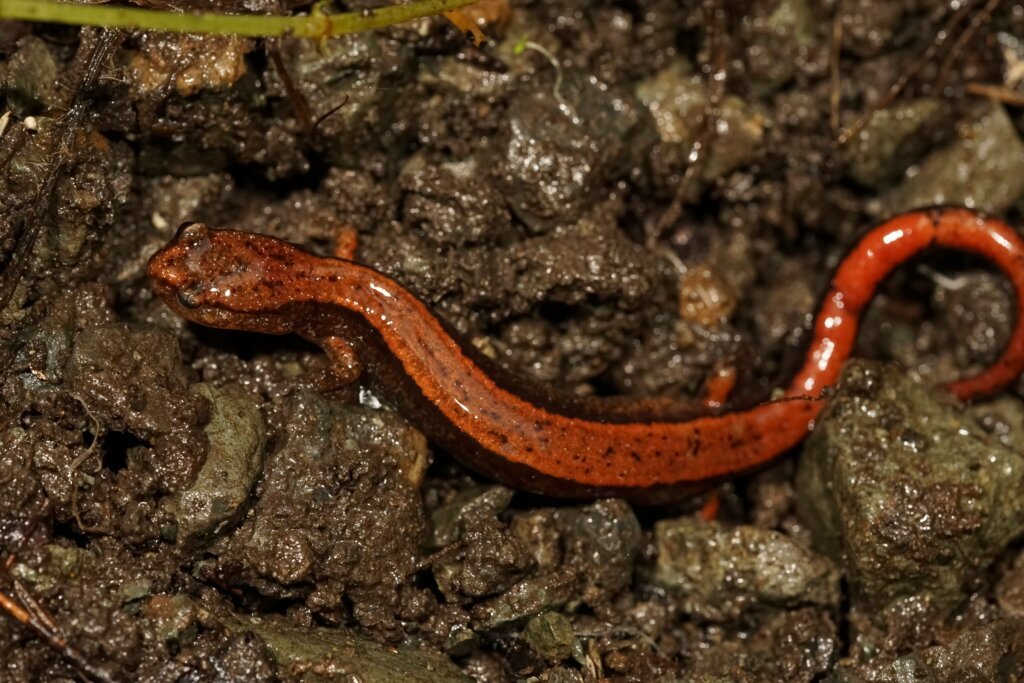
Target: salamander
[{"x": 530, "y": 436}]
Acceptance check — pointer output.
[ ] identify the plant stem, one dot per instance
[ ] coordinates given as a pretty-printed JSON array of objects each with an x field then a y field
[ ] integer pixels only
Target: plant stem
[{"x": 314, "y": 25}]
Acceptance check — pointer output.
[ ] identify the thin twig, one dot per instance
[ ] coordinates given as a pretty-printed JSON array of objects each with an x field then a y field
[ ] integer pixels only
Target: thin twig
[
  {"x": 76, "y": 464},
  {"x": 315, "y": 25},
  {"x": 299, "y": 104},
  {"x": 907, "y": 76},
  {"x": 32, "y": 224},
  {"x": 33, "y": 606},
  {"x": 997, "y": 92},
  {"x": 33, "y": 616},
  {"x": 834, "y": 70},
  {"x": 977, "y": 20},
  {"x": 444, "y": 552},
  {"x": 714, "y": 19}
]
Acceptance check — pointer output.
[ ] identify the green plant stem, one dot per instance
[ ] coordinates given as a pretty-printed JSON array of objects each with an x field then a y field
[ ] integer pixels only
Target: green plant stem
[{"x": 314, "y": 25}]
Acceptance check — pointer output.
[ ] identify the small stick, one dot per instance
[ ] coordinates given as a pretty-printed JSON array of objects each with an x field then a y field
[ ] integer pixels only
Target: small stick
[
  {"x": 429, "y": 560},
  {"x": 37, "y": 620},
  {"x": 299, "y": 104},
  {"x": 315, "y": 25},
  {"x": 896, "y": 88},
  {"x": 834, "y": 71},
  {"x": 997, "y": 92},
  {"x": 32, "y": 224},
  {"x": 977, "y": 20},
  {"x": 714, "y": 17}
]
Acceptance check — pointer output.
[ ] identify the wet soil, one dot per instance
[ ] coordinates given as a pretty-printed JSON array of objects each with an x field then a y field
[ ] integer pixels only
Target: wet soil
[{"x": 186, "y": 504}]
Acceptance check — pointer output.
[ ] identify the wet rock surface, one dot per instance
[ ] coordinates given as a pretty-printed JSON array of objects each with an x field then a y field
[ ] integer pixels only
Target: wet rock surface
[
  {"x": 982, "y": 168},
  {"x": 907, "y": 494},
  {"x": 196, "y": 505},
  {"x": 723, "y": 574},
  {"x": 218, "y": 497}
]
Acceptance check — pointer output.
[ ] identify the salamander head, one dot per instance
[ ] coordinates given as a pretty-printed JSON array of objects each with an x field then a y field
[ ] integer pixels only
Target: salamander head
[{"x": 228, "y": 279}]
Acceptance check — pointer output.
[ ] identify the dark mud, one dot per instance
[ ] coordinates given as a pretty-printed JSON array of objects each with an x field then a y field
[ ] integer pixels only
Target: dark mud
[{"x": 192, "y": 505}]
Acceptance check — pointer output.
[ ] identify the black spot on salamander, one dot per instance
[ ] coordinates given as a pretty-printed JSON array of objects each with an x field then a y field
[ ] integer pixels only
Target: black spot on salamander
[
  {"x": 609, "y": 451},
  {"x": 636, "y": 456},
  {"x": 501, "y": 437},
  {"x": 334, "y": 278},
  {"x": 529, "y": 449}
]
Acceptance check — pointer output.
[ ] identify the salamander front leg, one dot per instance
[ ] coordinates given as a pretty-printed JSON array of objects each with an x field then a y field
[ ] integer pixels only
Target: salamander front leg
[
  {"x": 344, "y": 367},
  {"x": 346, "y": 242}
]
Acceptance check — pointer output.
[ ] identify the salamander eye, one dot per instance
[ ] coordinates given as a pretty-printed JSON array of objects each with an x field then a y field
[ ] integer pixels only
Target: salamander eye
[
  {"x": 190, "y": 231},
  {"x": 189, "y": 297}
]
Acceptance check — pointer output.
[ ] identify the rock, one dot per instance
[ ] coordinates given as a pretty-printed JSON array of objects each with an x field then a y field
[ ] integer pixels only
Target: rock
[
  {"x": 777, "y": 35},
  {"x": 524, "y": 600},
  {"x": 598, "y": 542},
  {"x": 983, "y": 653},
  {"x": 677, "y": 99},
  {"x": 911, "y": 497},
  {"x": 893, "y": 140},
  {"x": 29, "y": 77},
  {"x": 488, "y": 561},
  {"x": 339, "y": 654},
  {"x": 1002, "y": 417},
  {"x": 384, "y": 434},
  {"x": 982, "y": 169},
  {"x": 978, "y": 311},
  {"x": 795, "y": 645},
  {"x": 539, "y": 532},
  {"x": 216, "y": 499},
  {"x": 869, "y": 27},
  {"x": 601, "y": 543},
  {"x": 446, "y": 520},
  {"x": 563, "y": 141},
  {"x": 458, "y": 76},
  {"x": 1010, "y": 589},
  {"x": 721, "y": 574},
  {"x": 551, "y": 636},
  {"x": 245, "y": 657},
  {"x": 173, "y": 618}
]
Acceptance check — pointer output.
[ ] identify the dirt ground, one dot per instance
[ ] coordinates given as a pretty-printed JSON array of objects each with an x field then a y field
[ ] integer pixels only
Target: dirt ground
[{"x": 185, "y": 504}]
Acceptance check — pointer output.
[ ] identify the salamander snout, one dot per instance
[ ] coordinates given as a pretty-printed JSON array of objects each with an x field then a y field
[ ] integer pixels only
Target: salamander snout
[
  {"x": 179, "y": 270},
  {"x": 224, "y": 278}
]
